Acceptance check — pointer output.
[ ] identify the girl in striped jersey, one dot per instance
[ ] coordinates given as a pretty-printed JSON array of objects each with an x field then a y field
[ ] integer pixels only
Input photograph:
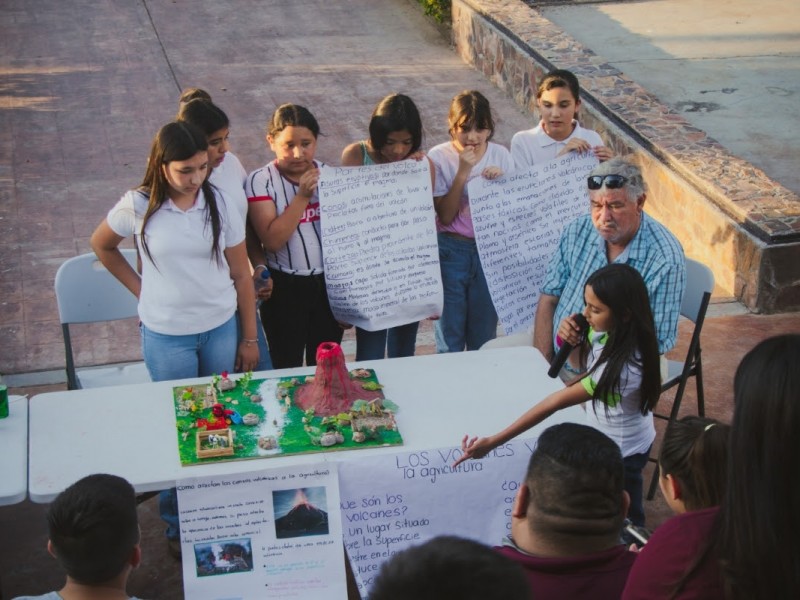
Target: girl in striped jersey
[{"x": 284, "y": 211}]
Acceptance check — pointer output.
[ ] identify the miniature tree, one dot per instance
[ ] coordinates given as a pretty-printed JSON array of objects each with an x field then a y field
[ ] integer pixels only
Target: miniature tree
[{"x": 245, "y": 379}]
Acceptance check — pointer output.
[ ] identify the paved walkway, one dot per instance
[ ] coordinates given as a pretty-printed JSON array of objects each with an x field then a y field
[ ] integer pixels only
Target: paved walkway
[
  {"x": 90, "y": 85},
  {"x": 730, "y": 68},
  {"x": 86, "y": 84}
]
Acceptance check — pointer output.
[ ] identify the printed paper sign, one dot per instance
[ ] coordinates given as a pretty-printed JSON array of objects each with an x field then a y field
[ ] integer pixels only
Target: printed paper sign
[
  {"x": 265, "y": 534},
  {"x": 379, "y": 244},
  {"x": 518, "y": 221}
]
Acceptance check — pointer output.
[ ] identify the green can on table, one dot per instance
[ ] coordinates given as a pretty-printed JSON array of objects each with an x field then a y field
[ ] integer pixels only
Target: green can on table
[{"x": 3, "y": 400}]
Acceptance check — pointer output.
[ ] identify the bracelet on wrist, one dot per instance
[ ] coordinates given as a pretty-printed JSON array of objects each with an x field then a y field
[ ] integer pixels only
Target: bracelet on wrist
[
  {"x": 247, "y": 342},
  {"x": 257, "y": 267}
]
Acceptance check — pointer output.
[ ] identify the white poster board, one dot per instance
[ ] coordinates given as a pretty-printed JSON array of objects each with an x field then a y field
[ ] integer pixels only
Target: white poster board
[
  {"x": 275, "y": 533},
  {"x": 379, "y": 244},
  {"x": 518, "y": 221},
  {"x": 391, "y": 502}
]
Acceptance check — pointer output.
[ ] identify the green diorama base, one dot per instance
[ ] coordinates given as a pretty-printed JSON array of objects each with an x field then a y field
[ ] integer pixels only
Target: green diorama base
[{"x": 259, "y": 418}]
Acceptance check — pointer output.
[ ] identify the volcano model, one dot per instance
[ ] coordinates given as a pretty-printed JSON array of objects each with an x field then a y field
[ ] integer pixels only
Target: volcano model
[{"x": 332, "y": 391}]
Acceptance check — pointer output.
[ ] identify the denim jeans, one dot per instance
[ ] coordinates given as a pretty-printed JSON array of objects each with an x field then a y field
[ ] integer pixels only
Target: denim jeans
[
  {"x": 401, "y": 340},
  {"x": 195, "y": 355},
  {"x": 468, "y": 319},
  {"x": 264, "y": 360},
  {"x": 168, "y": 511},
  {"x": 634, "y": 464},
  {"x": 180, "y": 357}
]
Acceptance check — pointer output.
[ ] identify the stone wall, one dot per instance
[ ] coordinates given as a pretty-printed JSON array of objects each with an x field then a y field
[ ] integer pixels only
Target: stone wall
[{"x": 726, "y": 213}]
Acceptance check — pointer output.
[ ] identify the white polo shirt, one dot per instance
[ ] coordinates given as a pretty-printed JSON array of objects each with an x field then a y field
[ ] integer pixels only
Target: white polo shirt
[
  {"x": 229, "y": 177},
  {"x": 534, "y": 147},
  {"x": 619, "y": 416},
  {"x": 185, "y": 290}
]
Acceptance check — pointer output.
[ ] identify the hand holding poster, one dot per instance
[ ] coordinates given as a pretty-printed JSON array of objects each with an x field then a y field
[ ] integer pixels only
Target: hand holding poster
[
  {"x": 265, "y": 534},
  {"x": 518, "y": 221},
  {"x": 379, "y": 244}
]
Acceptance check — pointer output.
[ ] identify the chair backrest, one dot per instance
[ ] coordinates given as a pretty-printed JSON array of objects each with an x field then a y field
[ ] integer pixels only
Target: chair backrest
[
  {"x": 699, "y": 280},
  {"x": 87, "y": 293}
]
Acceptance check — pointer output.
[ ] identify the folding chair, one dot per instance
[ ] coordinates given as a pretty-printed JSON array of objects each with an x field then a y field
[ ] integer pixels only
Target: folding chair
[
  {"x": 699, "y": 285},
  {"x": 509, "y": 341},
  {"x": 87, "y": 293}
]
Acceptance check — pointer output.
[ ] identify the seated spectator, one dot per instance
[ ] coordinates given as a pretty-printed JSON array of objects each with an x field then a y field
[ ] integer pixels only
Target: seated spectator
[
  {"x": 449, "y": 567},
  {"x": 690, "y": 463},
  {"x": 617, "y": 230},
  {"x": 748, "y": 547},
  {"x": 568, "y": 514},
  {"x": 94, "y": 535}
]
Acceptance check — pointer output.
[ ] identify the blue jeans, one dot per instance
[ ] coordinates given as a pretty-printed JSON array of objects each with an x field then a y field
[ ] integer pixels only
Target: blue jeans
[
  {"x": 168, "y": 499},
  {"x": 180, "y": 357},
  {"x": 264, "y": 360},
  {"x": 168, "y": 511},
  {"x": 372, "y": 345},
  {"x": 468, "y": 319},
  {"x": 634, "y": 464},
  {"x": 195, "y": 355}
]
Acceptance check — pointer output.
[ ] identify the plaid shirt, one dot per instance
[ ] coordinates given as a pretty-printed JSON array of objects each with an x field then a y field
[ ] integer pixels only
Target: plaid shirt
[{"x": 653, "y": 251}]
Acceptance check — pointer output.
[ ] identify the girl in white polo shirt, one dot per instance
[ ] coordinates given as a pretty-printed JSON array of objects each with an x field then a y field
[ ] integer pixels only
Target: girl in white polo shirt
[
  {"x": 194, "y": 271},
  {"x": 193, "y": 259},
  {"x": 227, "y": 175},
  {"x": 559, "y": 132}
]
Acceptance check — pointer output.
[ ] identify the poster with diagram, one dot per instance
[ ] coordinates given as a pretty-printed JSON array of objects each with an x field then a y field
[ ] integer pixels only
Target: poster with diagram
[{"x": 263, "y": 534}]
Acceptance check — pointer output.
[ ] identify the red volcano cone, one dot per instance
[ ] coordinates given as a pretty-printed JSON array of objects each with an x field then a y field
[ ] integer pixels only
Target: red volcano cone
[{"x": 332, "y": 390}]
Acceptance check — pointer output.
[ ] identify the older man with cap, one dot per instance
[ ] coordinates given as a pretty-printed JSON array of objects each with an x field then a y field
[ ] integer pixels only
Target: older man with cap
[{"x": 616, "y": 230}]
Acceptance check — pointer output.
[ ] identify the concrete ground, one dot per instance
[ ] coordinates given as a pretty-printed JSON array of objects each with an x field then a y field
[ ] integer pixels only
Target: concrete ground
[
  {"x": 86, "y": 84},
  {"x": 730, "y": 68}
]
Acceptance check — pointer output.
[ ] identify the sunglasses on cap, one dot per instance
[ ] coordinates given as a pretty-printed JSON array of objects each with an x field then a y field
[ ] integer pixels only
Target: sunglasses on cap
[{"x": 613, "y": 182}]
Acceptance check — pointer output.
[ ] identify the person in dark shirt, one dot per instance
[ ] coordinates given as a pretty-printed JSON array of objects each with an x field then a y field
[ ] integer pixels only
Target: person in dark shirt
[{"x": 568, "y": 514}]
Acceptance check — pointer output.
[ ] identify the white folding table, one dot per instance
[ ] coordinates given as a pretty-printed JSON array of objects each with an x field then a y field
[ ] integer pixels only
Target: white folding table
[
  {"x": 14, "y": 452},
  {"x": 129, "y": 430}
]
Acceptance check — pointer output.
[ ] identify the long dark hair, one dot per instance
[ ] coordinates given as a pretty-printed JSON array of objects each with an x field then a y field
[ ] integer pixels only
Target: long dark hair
[
  {"x": 759, "y": 534},
  {"x": 176, "y": 141},
  {"x": 633, "y": 337},
  {"x": 396, "y": 112},
  {"x": 693, "y": 451}
]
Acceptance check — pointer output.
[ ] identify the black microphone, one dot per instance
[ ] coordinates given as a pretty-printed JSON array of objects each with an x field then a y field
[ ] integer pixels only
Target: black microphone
[{"x": 566, "y": 348}]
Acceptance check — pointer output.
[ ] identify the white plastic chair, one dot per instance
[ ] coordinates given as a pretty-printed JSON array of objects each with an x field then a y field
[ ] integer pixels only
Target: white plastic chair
[
  {"x": 87, "y": 293},
  {"x": 509, "y": 341},
  {"x": 699, "y": 286}
]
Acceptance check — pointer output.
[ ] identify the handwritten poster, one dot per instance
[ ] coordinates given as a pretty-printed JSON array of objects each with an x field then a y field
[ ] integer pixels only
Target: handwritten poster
[
  {"x": 518, "y": 220},
  {"x": 379, "y": 244},
  {"x": 265, "y": 534},
  {"x": 391, "y": 502}
]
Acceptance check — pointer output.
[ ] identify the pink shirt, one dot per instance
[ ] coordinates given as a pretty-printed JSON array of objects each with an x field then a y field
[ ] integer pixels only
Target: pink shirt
[{"x": 445, "y": 161}]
